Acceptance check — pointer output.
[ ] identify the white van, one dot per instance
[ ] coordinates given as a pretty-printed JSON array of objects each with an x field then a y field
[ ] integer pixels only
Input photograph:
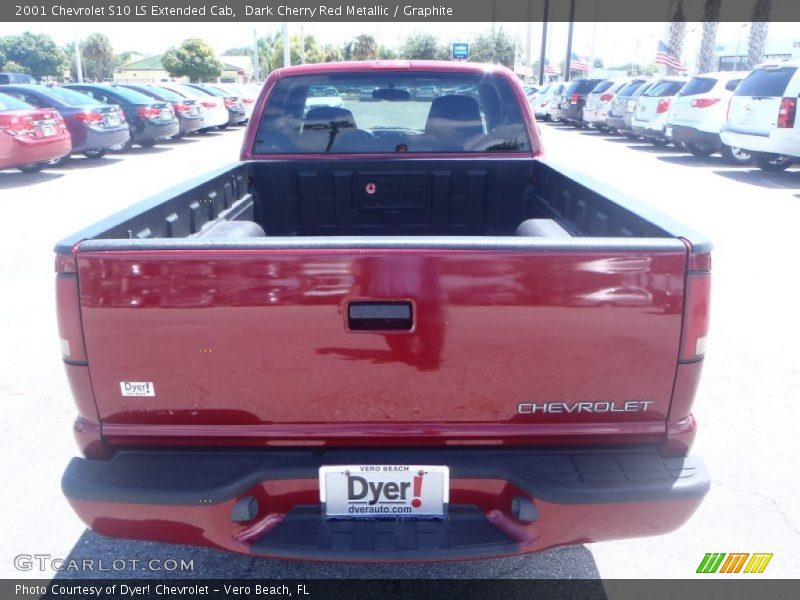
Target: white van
[
  {"x": 698, "y": 114},
  {"x": 762, "y": 117}
]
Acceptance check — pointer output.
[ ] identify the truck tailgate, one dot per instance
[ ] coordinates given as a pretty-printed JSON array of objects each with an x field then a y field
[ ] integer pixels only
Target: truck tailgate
[{"x": 260, "y": 344}]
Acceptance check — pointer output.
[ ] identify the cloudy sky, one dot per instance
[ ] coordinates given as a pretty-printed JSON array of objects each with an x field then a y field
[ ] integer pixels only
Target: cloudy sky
[{"x": 615, "y": 43}]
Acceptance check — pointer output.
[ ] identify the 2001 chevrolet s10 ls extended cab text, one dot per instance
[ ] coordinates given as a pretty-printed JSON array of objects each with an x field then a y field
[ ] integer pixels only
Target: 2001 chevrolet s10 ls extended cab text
[{"x": 393, "y": 331}]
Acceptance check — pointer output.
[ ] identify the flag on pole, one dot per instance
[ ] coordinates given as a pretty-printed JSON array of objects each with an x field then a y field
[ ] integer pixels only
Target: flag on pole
[
  {"x": 665, "y": 56},
  {"x": 576, "y": 63},
  {"x": 548, "y": 70}
]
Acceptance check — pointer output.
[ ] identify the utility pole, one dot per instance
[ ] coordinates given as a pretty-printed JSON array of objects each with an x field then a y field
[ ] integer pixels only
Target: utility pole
[
  {"x": 569, "y": 39},
  {"x": 302, "y": 45},
  {"x": 287, "y": 56},
  {"x": 256, "y": 61},
  {"x": 543, "y": 53},
  {"x": 528, "y": 63},
  {"x": 77, "y": 43}
]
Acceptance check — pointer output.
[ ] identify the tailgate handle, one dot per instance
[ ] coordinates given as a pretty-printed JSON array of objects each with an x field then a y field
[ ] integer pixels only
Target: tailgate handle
[{"x": 386, "y": 315}]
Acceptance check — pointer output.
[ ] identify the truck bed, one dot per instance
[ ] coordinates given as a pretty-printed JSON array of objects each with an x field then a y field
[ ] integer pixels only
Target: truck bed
[{"x": 485, "y": 198}]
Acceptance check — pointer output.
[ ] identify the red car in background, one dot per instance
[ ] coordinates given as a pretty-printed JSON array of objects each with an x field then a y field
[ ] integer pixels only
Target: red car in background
[{"x": 30, "y": 137}]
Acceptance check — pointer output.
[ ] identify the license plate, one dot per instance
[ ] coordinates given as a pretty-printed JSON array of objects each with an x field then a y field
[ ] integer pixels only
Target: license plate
[
  {"x": 668, "y": 132},
  {"x": 631, "y": 105},
  {"x": 166, "y": 115},
  {"x": 194, "y": 111},
  {"x": 47, "y": 130},
  {"x": 112, "y": 120},
  {"x": 384, "y": 491}
]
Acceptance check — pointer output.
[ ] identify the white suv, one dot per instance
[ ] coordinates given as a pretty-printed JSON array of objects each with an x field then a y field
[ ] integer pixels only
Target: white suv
[
  {"x": 698, "y": 115},
  {"x": 762, "y": 117},
  {"x": 540, "y": 101},
  {"x": 650, "y": 119}
]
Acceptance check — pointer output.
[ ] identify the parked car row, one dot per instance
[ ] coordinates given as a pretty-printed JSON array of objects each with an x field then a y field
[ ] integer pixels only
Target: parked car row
[
  {"x": 43, "y": 125},
  {"x": 745, "y": 116}
]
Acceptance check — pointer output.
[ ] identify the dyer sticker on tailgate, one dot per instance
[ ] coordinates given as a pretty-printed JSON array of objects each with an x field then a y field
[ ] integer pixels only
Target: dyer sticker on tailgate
[
  {"x": 384, "y": 491},
  {"x": 137, "y": 388}
]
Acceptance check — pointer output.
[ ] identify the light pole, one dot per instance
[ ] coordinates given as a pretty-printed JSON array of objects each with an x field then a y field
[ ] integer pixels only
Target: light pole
[
  {"x": 77, "y": 43},
  {"x": 287, "y": 57},
  {"x": 543, "y": 53},
  {"x": 738, "y": 45},
  {"x": 256, "y": 61},
  {"x": 569, "y": 40}
]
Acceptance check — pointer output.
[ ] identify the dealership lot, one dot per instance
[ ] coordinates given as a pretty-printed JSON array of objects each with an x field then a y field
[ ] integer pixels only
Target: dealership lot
[{"x": 747, "y": 405}]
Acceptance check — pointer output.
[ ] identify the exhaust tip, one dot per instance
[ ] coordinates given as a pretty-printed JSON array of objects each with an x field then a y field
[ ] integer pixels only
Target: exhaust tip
[
  {"x": 524, "y": 510},
  {"x": 245, "y": 510}
]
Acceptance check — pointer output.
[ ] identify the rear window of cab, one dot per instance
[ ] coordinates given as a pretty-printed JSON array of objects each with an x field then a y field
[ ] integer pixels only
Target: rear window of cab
[{"x": 406, "y": 112}]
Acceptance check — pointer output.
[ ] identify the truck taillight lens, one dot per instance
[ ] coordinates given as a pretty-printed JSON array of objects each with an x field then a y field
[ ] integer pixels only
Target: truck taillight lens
[
  {"x": 695, "y": 315},
  {"x": 606, "y": 97},
  {"x": 70, "y": 331},
  {"x": 787, "y": 113},
  {"x": 704, "y": 102},
  {"x": 575, "y": 98},
  {"x": 663, "y": 105}
]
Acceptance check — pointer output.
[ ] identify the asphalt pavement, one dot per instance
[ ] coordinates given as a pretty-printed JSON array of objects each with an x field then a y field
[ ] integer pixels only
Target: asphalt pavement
[{"x": 748, "y": 404}]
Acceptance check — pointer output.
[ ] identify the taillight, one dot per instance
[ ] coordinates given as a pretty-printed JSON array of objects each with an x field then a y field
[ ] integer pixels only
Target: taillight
[
  {"x": 70, "y": 331},
  {"x": 575, "y": 98},
  {"x": 697, "y": 299},
  {"x": 205, "y": 104},
  {"x": 89, "y": 118},
  {"x": 179, "y": 107},
  {"x": 247, "y": 100},
  {"x": 787, "y": 113},
  {"x": 663, "y": 105},
  {"x": 16, "y": 125},
  {"x": 148, "y": 112},
  {"x": 606, "y": 97},
  {"x": 704, "y": 102},
  {"x": 230, "y": 102}
]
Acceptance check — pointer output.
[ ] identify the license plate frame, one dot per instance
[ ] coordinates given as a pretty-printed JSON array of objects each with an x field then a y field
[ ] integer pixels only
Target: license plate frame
[
  {"x": 47, "y": 129},
  {"x": 112, "y": 120},
  {"x": 165, "y": 114},
  {"x": 368, "y": 492}
]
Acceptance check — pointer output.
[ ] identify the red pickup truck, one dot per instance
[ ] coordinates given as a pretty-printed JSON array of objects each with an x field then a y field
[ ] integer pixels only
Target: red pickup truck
[{"x": 392, "y": 331}]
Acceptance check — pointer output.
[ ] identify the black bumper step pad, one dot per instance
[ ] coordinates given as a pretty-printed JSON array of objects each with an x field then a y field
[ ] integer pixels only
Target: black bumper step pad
[{"x": 304, "y": 534}]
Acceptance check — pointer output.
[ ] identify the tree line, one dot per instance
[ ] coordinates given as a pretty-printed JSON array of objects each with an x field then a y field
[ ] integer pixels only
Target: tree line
[{"x": 38, "y": 55}]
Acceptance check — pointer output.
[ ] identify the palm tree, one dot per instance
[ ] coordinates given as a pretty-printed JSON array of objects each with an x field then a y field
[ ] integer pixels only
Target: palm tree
[
  {"x": 677, "y": 33},
  {"x": 347, "y": 50},
  {"x": 365, "y": 47},
  {"x": 333, "y": 53},
  {"x": 705, "y": 60},
  {"x": 758, "y": 32}
]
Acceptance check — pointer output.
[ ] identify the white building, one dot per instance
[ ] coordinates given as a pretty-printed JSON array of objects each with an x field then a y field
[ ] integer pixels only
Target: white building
[{"x": 732, "y": 54}]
